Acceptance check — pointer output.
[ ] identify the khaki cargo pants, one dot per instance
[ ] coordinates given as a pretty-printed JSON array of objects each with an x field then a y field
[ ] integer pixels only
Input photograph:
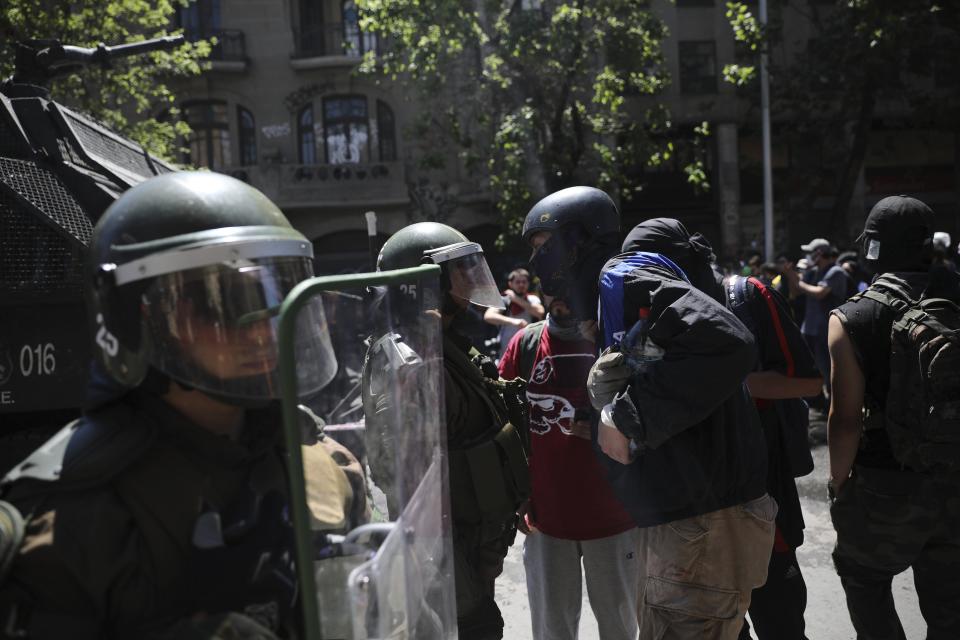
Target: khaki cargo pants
[{"x": 697, "y": 574}]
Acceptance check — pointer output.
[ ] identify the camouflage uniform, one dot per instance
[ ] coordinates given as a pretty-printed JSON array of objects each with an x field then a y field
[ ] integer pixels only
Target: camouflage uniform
[{"x": 889, "y": 518}]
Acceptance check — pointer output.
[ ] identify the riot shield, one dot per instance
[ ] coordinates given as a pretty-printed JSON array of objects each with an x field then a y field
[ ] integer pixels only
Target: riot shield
[{"x": 391, "y": 576}]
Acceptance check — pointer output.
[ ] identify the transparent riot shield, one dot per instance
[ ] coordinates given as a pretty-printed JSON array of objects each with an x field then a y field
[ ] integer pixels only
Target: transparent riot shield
[{"x": 386, "y": 572}]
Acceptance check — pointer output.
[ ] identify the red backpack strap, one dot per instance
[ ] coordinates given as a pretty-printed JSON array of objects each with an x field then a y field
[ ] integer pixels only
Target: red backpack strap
[{"x": 777, "y": 325}]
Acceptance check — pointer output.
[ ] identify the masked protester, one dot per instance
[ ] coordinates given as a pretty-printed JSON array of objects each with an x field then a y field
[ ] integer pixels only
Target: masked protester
[
  {"x": 573, "y": 232},
  {"x": 683, "y": 443},
  {"x": 783, "y": 374},
  {"x": 162, "y": 512},
  {"x": 893, "y": 428},
  {"x": 485, "y": 418},
  {"x": 573, "y": 517}
]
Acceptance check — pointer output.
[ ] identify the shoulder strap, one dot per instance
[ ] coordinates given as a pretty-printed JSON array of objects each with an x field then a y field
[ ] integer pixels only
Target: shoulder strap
[
  {"x": 465, "y": 366},
  {"x": 737, "y": 298},
  {"x": 891, "y": 291},
  {"x": 461, "y": 362},
  {"x": 926, "y": 313},
  {"x": 777, "y": 325},
  {"x": 529, "y": 344}
]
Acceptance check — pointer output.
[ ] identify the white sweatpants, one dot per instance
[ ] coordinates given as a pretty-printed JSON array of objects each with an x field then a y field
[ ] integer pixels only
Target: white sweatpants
[{"x": 612, "y": 570}]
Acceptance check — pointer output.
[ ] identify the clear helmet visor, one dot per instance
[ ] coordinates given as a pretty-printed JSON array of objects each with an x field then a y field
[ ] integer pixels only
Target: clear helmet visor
[
  {"x": 469, "y": 275},
  {"x": 214, "y": 328}
]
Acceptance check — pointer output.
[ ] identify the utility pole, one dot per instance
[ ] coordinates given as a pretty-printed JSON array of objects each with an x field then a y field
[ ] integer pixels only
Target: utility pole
[
  {"x": 372, "y": 238},
  {"x": 767, "y": 155}
]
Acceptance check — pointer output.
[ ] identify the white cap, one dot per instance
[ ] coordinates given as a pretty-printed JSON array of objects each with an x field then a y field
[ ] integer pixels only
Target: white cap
[{"x": 815, "y": 244}]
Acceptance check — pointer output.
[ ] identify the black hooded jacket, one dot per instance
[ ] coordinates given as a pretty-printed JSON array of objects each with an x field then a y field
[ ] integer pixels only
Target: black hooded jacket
[{"x": 703, "y": 445}]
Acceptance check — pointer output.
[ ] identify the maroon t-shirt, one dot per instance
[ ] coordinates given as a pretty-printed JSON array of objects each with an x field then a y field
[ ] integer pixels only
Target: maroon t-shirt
[{"x": 570, "y": 496}]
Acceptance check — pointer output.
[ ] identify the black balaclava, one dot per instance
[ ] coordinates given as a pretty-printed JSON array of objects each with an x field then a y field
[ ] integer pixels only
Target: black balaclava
[
  {"x": 569, "y": 266},
  {"x": 692, "y": 253}
]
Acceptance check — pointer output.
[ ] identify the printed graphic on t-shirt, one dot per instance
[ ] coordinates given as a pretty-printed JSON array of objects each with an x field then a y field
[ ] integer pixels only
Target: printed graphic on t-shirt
[
  {"x": 570, "y": 497},
  {"x": 546, "y": 371},
  {"x": 549, "y": 410}
]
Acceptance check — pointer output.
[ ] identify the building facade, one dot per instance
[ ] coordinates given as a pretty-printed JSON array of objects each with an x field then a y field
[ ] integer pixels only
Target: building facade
[{"x": 283, "y": 108}]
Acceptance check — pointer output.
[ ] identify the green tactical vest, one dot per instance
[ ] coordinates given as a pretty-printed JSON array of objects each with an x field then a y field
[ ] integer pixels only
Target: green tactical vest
[{"x": 489, "y": 479}]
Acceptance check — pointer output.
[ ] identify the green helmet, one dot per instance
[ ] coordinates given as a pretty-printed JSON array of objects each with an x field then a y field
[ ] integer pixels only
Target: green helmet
[
  {"x": 187, "y": 273},
  {"x": 466, "y": 275}
]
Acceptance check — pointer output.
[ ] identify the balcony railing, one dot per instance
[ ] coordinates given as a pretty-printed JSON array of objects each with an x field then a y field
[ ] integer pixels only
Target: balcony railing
[
  {"x": 307, "y": 173},
  {"x": 230, "y": 47},
  {"x": 334, "y": 40},
  {"x": 300, "y": 185}
]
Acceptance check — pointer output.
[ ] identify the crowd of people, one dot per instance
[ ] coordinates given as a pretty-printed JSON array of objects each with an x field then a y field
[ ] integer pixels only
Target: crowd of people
[
  {"x": 796, "y": 313},
  {"x": 643, "y": 427}
]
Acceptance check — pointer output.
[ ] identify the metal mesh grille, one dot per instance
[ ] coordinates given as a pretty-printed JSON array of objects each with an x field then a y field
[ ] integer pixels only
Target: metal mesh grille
[
  {"x": 34, "y": 257},
  {"x": 107, "y": 149},
  {"x": 44, "y": 191}
]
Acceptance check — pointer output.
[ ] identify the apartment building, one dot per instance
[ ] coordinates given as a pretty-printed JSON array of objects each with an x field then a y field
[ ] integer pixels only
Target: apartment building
[{"x": 282, "y": 108}]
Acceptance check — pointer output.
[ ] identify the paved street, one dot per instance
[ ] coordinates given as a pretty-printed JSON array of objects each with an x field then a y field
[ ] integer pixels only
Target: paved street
[{"x": 827, "y": 617}]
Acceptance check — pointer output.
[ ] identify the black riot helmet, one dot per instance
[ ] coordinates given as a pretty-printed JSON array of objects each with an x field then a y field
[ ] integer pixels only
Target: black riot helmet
[
  {"x": 186, "y": 277},
  {"x": 587, "y": 207},
  {"x": 584, "y": 232},
  {"x": 465, "y": 277}
]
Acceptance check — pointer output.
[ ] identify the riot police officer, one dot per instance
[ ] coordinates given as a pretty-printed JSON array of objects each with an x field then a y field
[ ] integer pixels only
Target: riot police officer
[
  {"x": 164, "y": 506},
  {"x": 484, "y": 419}
]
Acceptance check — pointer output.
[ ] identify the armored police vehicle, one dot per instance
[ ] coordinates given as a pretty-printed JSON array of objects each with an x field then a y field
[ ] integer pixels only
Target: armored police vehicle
[{"x": 59, "y": 170}]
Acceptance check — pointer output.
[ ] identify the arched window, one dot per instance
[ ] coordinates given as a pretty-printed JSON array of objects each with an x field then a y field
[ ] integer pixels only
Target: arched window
[
  {"x": 209, "y": 139},
  {"x": 306, "y": 137},
  {"x": 346, "y": 129},
  {"x": 386, "y": 132},
  {"x": 246, "y": 127}
]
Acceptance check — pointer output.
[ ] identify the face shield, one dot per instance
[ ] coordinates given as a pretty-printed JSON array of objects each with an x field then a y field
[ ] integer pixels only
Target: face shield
[
  {"x": 469, "y": 275},
  {"x": 210, "y": 316}
]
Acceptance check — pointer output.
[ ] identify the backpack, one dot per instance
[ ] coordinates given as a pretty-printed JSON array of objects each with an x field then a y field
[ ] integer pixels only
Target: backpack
[
  {"x": 793, "y": 413},
  {"x": 528, "y": 347},
  {"x": 922, "y": 411}
]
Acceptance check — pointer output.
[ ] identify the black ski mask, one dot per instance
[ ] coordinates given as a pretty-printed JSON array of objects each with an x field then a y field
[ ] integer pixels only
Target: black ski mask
[
  {"x": 569, "y": 265},
  {"x": 692, "y": 253}
]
